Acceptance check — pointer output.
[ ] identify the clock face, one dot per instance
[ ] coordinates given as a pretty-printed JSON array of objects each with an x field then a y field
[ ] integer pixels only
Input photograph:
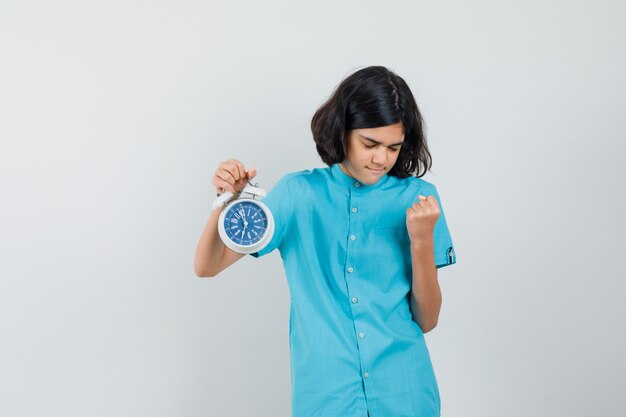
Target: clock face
[{"x": 245, "y": 223}]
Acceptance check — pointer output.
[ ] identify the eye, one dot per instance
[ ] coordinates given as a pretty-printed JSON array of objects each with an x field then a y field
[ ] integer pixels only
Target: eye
[
  {"x": 369, "y": 147},
  {"x": 395, "y": 149}
]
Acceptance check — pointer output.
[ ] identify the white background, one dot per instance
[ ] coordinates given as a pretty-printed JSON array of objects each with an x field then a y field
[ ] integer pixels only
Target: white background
[{"x": 114, "y": 116}]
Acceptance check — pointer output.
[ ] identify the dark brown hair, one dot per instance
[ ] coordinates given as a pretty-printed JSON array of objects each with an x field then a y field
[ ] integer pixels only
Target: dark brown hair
[{"x": 372, "y": 97}]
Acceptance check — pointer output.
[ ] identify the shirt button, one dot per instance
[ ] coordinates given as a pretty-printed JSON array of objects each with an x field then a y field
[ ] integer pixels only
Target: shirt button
[
  {"x": 354, "y": 300},
  {"x": 357, "y": 184},
  {"x": 366, "y": 375},
  {"x": 354, "y": 209},
  {"x": 352, "y": 237},
  {"x": 350, "y": 269},
  {"x": 361, "y": 335}
]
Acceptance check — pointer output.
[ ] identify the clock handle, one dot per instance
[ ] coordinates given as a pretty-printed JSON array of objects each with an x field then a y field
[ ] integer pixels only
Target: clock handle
[
  {"x": 254, "y": 190},
  {"x": 224, "y": 198}
]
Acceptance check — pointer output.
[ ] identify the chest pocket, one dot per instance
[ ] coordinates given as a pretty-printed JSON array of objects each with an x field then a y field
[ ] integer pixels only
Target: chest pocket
[{"x": 389, "y": 250}]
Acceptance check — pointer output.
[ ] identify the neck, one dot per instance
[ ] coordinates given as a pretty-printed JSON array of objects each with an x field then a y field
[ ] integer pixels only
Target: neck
[{"x": 345, "y": 170}]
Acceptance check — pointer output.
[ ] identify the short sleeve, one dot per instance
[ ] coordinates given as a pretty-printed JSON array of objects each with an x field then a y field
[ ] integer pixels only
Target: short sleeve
[
  {"x": 443, "y": 246},
  {"x": 279, "y": 202}
]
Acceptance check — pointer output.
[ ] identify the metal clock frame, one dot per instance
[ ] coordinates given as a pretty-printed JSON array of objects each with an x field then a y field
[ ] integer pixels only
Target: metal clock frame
[{"x": 227, "y": 200}]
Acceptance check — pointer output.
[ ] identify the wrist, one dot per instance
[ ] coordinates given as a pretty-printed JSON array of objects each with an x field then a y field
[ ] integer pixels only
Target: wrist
[{"x": 422, "y": 243}]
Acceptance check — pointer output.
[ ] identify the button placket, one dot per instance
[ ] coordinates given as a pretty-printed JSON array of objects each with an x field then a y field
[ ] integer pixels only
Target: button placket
[
  {"x": 353, "y": 225},
  {"x": 352, "y": 277}
]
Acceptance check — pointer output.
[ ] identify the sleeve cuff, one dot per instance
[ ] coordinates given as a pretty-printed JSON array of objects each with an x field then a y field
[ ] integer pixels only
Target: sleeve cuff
[{"x": 445, "y": 258}]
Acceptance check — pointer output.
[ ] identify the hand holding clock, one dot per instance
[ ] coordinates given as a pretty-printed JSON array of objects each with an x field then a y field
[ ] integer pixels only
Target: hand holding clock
[
  {"x": 245, "y": 224},
  {"x": 231, "y": 176},
  {"x": 239, "y": 222}
]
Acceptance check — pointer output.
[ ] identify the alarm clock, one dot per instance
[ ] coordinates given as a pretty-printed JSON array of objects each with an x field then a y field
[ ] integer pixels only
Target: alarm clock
[{"x": 245, "y": 225}]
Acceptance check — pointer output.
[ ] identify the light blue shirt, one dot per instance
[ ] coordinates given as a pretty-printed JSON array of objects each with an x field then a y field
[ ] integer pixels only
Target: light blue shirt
[{"x": 355, "y": 348}]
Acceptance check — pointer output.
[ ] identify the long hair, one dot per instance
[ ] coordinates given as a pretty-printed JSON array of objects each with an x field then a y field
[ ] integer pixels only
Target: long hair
[{"x": 372, "y": 97}]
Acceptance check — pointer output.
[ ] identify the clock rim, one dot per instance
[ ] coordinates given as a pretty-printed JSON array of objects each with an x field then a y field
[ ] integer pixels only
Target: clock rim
[{"x": 261, "y": 243}]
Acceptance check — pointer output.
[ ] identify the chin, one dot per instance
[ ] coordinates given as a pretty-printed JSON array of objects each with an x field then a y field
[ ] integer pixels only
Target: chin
[{"x": 370, "y": 179}]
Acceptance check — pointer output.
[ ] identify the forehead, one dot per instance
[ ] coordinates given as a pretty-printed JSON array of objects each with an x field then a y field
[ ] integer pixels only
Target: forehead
[{"x": 388, "y": 135}]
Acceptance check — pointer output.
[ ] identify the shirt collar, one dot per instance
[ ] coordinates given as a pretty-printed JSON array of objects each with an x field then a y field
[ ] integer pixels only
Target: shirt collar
[{"x": 341, "y": 177}]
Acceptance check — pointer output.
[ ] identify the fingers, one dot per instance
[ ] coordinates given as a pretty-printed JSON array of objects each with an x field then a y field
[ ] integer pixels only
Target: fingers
[
  {"x": 433, "y": 201},
  {"x": 240, "y": 169},
  {"x": 425, "y": 203},
  {"x": 223, "y": 181},
  {"x": 235, "y": 168},
  {"x": 231, "y": 176},
  {"x": 421, "y": 203}
]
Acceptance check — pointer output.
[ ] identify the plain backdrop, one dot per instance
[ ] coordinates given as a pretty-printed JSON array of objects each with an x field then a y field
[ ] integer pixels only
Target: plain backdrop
[{"x": 114, "y": 116}]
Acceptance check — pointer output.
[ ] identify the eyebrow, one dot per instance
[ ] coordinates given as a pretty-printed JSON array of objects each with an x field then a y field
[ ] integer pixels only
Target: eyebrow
[{"x": 375, "y": 141}]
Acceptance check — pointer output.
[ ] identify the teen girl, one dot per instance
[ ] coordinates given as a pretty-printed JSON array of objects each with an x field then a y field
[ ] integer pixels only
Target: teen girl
[{"x": 361, "y": 241}]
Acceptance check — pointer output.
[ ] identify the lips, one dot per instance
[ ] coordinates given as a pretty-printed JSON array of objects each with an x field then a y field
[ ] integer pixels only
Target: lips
[{"x": 376, "y": 170}]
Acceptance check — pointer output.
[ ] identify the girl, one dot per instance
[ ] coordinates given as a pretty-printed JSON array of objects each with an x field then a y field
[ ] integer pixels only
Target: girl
[{"x": 361, "y": 241}]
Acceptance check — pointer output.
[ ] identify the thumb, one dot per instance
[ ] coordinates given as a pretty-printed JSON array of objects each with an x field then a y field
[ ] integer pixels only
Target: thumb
[{"x": 251, "y": 173}]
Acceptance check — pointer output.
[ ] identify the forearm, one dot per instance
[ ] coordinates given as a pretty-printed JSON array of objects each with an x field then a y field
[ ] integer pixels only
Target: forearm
[
  {"x": 425, "y": 297},
  {"x": 210, "y": 248}
]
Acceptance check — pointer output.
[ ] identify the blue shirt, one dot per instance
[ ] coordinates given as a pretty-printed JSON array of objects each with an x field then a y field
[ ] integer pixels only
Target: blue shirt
[{"x": 354, "y": 346}]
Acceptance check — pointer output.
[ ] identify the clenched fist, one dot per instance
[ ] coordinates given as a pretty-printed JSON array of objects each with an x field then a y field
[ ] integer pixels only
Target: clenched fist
[{"x": 421, "y": 218}]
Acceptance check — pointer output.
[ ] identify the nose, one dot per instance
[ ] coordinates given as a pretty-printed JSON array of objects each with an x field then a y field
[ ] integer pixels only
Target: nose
[{"x": 380, "y": 157}]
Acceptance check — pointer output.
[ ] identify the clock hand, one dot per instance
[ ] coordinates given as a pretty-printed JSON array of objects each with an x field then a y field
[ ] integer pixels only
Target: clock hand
[{"x": 243, "y": 217}]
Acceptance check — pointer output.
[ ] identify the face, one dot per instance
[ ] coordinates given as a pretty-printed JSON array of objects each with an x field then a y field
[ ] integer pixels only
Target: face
[{"x": 371, "y": 153}]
